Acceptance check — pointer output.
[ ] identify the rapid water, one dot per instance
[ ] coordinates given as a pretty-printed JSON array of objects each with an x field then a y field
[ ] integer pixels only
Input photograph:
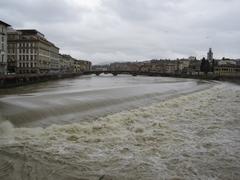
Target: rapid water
[
  {"x": 120, "y": 128},
  {"x": 86, "y": 98}
]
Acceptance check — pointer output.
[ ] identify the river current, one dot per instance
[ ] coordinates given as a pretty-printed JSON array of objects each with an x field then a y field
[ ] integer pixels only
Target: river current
[{"x": 121, "y": 127}]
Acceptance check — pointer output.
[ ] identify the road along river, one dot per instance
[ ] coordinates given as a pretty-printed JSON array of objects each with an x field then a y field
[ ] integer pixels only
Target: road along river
[{"x": 120, "y": 127}]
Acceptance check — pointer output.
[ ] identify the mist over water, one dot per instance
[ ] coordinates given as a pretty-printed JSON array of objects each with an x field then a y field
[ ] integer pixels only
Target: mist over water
[{"x": 120, "y": 127}]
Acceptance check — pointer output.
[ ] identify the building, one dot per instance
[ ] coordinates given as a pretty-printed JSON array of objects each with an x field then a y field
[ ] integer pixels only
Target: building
[
  {"x": 85, "y": 65},
  {"x": 163, "y": 66},
  {"x": 227, "y": 70},
  {"x": 66, "y": 63},
  {"x": 54, "y": 59},
  {"x": 3, "y": 47},
  {"x": 227, "y": 62},
  {"x": 183, "y": 66},
  {"x": 210, "y": 55},
  {"x": 13, "y": 53},
  {"x": 30, "y": 52},
  {"x": 194, "y": 67},
  {"x": 157, "y": 66},
  {"x": 100, "y": 67},
  {"x": 171, "y": 67},
  {"x": 125, "y": 66},
  {"x": 237, "y": 61},
  {"x": 81, "y": 66},
  {"x": 145, "y": 66}
]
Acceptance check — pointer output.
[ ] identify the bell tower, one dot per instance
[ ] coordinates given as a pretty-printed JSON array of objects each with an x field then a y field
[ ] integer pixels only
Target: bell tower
[{"x": 210, "y": 55}]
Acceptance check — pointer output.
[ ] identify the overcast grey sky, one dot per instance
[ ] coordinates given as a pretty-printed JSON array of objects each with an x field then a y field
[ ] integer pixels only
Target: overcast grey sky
[{"x": 123, "y": 30}]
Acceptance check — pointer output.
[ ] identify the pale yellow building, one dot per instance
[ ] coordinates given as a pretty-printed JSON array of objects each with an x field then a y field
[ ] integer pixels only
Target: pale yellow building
[{"x": 229, "y": 70}]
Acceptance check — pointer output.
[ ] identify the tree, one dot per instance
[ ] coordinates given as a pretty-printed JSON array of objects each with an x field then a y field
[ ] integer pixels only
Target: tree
[
  {"x": 205, "y": 66},
  {"x": 213, "y": 65}
]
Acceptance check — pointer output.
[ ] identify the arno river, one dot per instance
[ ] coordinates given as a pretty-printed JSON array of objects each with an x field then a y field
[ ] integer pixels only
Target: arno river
[{"x": 123, "y": 127}]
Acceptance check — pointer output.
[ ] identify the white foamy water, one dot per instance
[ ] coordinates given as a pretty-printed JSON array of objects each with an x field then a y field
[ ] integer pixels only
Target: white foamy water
[
  {"x": 88, "y": 97},
  {"x": 194, "y": 136}
]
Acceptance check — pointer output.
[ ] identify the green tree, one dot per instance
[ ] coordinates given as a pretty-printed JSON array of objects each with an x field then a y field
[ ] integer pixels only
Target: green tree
[{"x": 205, "y": 66}]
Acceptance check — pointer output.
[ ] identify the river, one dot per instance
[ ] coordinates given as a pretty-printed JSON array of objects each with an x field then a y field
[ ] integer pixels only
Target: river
[{"x": 120, "y": 127}]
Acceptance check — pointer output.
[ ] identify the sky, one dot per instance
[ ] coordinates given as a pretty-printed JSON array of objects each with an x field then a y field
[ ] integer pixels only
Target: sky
[{"x": 131, "y": 30}]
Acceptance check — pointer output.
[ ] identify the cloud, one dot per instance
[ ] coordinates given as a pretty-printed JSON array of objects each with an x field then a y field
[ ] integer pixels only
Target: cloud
[{"x": 115, "y": 30}]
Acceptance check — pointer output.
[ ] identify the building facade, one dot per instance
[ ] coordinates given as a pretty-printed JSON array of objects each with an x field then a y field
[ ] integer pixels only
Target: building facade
[
  {"x": 66, "y": 63},
  {"x": 227, "y": 70},
  {"x": 182, "y": 66},
  {"x": 3, "y": 47},
  {"x": 125, "y": 66},
  {"x": 30, "y": 52},
  {"x": 84, "y": 65},
  {"x": 164, "y": 66}
]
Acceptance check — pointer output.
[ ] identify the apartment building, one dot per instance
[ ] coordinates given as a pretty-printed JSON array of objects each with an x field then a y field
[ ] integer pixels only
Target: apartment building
[
  {"x": 3, "y": 47},
  {"x": 125, "y": 66},
  {"x": 229, "y": 70},
  {"x": 164, "y": 66},
  {"x": 66, "y": 63},
  {"x": 30, "y": 52},
  {"x": 85, "y": 65}
]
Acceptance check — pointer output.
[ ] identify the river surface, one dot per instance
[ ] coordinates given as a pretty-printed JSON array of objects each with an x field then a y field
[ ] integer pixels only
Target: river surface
[
  {"x": 87, "y": 98},
  {"x": 120, "y": 127}
]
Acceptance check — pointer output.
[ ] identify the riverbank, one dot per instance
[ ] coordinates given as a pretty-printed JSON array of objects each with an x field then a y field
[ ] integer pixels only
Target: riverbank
[{"x": 11, "y": 81}]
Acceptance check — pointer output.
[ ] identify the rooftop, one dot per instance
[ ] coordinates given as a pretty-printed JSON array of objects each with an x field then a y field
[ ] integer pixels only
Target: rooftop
[
  {"x": 30, "y": 32},
  {"x": 1, "y": 22}
]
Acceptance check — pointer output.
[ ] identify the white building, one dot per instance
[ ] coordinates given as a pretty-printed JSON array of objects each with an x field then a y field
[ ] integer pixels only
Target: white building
[
  {"x": 30, "y": 52},
  {"x": 227, "y": 62},
  {"x": 3, "y": 47}
]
